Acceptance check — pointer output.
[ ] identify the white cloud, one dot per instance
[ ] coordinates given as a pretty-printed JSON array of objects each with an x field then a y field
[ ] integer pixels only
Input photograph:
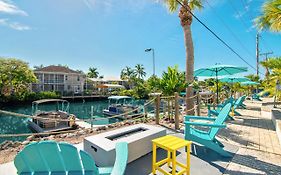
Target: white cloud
[
  {"x": 108, "y": 5},
  {"x": 14, "y": 25},
  {"x": 7, "y": 6}
]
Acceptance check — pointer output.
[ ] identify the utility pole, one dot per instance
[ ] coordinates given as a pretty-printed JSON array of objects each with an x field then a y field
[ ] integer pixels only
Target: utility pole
[
  {"x": 257, "y": 52},
  {"x": 266, "y": 58}
]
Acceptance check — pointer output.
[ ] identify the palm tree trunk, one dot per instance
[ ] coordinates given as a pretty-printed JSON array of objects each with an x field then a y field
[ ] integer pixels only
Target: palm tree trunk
[{"x": 189, "y": 68}]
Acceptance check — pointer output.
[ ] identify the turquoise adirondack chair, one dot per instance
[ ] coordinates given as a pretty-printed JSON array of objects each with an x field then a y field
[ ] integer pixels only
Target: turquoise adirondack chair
[
  {"x": 52, "y": 158},
  {"x": 229, "y": 100},
  {"x": 241, "y": 104},
  {"x": 236, "y": 105},
  {"x": 208, "y": 138},
  {"x": 256, "y": 97}
]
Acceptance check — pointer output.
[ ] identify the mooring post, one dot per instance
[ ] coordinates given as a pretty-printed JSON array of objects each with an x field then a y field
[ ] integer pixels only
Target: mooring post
[
  {"x": 177, "y": 111},
  {"x": 169, "y": 108},
  {"x": 157, "y": 109},
  {"x": 198, "y": 104},
  {"x": 92, "y": 114}
]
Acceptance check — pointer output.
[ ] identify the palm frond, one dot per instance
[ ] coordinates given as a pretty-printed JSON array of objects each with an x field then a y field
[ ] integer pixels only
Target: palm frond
[{"x": 271, "y": 16}]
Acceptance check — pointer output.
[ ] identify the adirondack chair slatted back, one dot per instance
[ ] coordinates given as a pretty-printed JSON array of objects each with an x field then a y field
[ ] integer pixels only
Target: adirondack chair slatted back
[
  {"x": 121, "y": 158},
  {"x": 220, "y": 120},
  {"x": 57, "y": 158},
  {"x": 239, "y": 101}
]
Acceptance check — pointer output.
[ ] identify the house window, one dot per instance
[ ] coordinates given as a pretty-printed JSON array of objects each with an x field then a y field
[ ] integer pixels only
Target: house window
[
  {"x": 68, "y": 87},
  {"x": 66, "y": 77},
  {"x": 78, "y": 78}
]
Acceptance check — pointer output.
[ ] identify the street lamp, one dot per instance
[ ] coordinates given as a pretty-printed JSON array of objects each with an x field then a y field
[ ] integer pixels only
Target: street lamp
[{"x": 153, "y": 57}]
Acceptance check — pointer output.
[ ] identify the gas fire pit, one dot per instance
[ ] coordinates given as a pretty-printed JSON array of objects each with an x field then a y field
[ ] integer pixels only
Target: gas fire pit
[{"x": 138, "y": 137}]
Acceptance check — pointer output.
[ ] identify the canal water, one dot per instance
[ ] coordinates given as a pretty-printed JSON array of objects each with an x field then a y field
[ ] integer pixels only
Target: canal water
[{"x": 82, "y": 110}]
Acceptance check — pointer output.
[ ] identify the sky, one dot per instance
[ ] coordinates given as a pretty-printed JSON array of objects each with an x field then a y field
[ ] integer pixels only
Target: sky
[{"x": 111, "y": 34}]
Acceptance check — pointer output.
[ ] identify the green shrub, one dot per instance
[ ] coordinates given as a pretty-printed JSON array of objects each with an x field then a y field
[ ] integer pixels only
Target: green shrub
[{"x": 28, "y": 96}]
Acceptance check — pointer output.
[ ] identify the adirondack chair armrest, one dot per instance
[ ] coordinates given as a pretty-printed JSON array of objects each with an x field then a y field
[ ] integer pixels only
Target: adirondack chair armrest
[
  {"x": 204, "y": 124},
  {"x": 199, "y": 118}
]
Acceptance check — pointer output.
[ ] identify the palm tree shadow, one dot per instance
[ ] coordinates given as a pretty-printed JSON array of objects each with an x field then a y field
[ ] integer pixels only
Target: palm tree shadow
[
  {"x": 254, "y": 163},
  {"x": 254, "y": 122},
  {"x": 233, "y": 135}
]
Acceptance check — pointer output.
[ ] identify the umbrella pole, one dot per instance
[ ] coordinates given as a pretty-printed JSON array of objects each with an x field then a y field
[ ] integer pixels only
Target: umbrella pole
[{"x": 217, "y": 81}]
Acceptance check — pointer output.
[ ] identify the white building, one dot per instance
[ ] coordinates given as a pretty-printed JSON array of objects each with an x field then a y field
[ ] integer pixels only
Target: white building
[{"x": 60, "y": 79}]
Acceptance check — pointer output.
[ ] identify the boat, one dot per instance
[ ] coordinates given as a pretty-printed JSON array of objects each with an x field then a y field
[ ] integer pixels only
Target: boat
[
  {"x": 44, "y": 124},
  {"x": 119, "y": 105}
]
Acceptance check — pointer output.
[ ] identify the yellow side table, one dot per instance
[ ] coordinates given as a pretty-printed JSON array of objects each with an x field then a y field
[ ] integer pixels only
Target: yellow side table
[{"x": 171, "y": 144}]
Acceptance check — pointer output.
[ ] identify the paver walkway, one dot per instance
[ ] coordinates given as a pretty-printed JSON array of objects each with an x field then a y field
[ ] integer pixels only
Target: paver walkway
[{"x": 259, "y": 148}]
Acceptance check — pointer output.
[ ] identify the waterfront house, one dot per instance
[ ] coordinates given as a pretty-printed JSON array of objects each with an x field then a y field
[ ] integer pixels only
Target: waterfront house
[
  {"x": 60, "y": 79},
  {"x": 107, "y": 84}
]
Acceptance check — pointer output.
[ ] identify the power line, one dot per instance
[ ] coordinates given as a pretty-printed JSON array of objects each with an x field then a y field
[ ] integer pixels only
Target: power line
[
  {"x": 229, "y": 29},
  {"x": 251, "y": 16},
  {"x": 238, "y": 14},
  {"x": 212, "y": 32}
]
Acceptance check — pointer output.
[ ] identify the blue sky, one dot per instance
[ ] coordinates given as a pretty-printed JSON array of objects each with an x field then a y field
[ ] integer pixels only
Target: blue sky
[{"x": 110, "y": 34}]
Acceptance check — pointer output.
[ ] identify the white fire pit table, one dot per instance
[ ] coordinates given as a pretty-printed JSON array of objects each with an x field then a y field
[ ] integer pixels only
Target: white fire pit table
[{"x": 138, "y": 137}]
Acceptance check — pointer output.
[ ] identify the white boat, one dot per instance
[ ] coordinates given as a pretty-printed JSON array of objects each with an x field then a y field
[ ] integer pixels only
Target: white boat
[
  {"x": 119, "y": 105},
  {"x": 44, "y": 124}
]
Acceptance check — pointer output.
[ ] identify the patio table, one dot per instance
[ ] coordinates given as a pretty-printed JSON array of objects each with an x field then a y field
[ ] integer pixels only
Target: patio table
[{"x": 171, "y": 144}]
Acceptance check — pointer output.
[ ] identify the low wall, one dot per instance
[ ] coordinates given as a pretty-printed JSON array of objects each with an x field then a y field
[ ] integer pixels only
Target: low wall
[
  {"x": 274, "y": 114},
  {"x": 276, "y": 119}
]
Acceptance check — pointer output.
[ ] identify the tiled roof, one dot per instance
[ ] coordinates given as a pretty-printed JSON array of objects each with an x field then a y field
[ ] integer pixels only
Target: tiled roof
[{"x": 56, "y": 69}]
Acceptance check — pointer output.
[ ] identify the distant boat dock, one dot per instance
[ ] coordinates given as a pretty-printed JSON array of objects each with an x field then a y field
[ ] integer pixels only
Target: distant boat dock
[{"x": 102, "y": 97}]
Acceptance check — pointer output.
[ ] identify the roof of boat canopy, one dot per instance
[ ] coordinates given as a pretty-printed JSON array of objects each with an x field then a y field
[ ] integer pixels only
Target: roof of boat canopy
[
  {"x": 119, "y": 97},
  {"x": 48, "y": 101}
]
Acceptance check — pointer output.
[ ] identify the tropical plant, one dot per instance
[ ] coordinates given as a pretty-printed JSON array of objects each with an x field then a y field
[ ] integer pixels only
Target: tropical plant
[
  {"x": 153, "y": 83},
  {"x": 186, "y": 21},
  {"x": 93, "y": 72},
  {"x": 15, "y": 76},
  {"x": 139, "y": 70},
  {"x": 274, "y": 65},
  {"x": 172, "y": 81},
  {"x": 253, "y": 77},
  {"x": 271, "y": 16}
]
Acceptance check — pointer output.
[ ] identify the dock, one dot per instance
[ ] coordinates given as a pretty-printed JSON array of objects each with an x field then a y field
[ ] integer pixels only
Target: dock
[{"x": 98, "y": 97}]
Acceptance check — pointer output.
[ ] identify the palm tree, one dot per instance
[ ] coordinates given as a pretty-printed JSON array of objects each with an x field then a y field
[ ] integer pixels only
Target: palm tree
[
  {"x": 127, "y": 73},
  {"x": 93, "y": 72},
  {"x": 186, "y": 21},
  {"x": 271, "y": 16},
  {"x": 139, "y": 69}
]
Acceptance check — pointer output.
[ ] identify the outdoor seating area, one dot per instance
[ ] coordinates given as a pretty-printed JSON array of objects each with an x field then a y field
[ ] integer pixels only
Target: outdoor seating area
[
  {"x": 146, "y": 87},
  {"x": 234, "y": 146}
]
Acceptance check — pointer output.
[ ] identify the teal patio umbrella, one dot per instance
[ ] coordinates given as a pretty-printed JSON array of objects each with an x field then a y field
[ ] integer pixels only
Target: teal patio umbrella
[
  {"x": 234, "y": 79},
  {"x": 249, "y": 83},
  {"x": 219, "y": 70}
]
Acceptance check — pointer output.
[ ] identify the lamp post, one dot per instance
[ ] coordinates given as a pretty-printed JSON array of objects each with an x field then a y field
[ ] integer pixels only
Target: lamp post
[{"x": 153, "y": 57}]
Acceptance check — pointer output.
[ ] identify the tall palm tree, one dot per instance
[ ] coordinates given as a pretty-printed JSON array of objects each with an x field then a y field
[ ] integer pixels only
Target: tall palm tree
[
  {"x": 139, "y": 69},
  {"x": 271, "y": 16},
  {"x": 186, "y": 21},
  {"x": 93, "y": 72}
]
